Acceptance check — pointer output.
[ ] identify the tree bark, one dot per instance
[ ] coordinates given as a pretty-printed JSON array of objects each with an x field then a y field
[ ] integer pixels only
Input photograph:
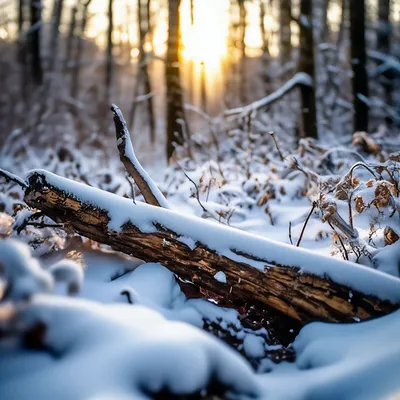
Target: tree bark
[
  {"x": 266, "y": 56},
  {"x": 359, "y": 64},
  {"x": 71, "y": 37},
  {"x": 383, "y": 44},
  {"x": 309, "y": 127},
  {"x": 242, "y": 49},
  {"x": 175, "y": 109},
  {"x": 34, "y": 42},
  {"x": 285, "y": 33},
  {"x": 75, "y": 79},
  {"x": 55, "y": 30},
  {"x": 142, "y": 77},
  {"x": 251, "y": 281}
]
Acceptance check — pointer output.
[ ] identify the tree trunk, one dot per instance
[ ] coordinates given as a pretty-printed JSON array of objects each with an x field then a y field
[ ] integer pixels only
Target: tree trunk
[
  {"x": 75, "y": 80},
  {"x": 109, "y": 68},
  {"x": 359, "y": 64},
  {"x": 383, "y": 43},
  {"x": 309, "y": 127},
  {"x": 175, "y": 109},
  {"x": 256, "y": 271},
  {"x": 55, "y": 30},
  {"x": 242, "y": 48},
  {"x": 266, "y": 56},
  {"x": 71, "y": 37},
  {"x": 34, "y": 42},
  {"x": 285, "y": 33},
  {"x": 142, "y": 77}
]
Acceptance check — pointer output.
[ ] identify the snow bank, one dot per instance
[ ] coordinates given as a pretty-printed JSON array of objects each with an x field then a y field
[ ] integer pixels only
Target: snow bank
[
  {"x": 354, "y": 362},
  {"x": 95, "y": 350}
]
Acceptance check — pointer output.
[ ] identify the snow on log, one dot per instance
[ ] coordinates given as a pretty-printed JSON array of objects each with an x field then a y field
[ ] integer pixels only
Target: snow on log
[
  {"x": 299, "y": 79},
  {"x": 148, "y": 188},
  {"x": 258, "y": 272}
]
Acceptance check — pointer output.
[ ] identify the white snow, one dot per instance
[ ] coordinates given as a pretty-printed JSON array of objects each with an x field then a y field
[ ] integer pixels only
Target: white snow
[
  {"x": 117, "y": 350},
  {"x": 220, "y": 277},
  {"x": 354, "y": 362}
]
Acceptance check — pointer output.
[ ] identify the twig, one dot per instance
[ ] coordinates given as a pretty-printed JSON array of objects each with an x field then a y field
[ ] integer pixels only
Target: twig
[
  {"x": 290, "y": 232},
  {"x": 147, "y": 187},
  {"x": 305, "y": 223},
  {"x": 197, "y": 190},
  {"x": 9, "y": 177},
  {"x": 272, "y": 133},
  {"x": 350, "y": 211},
  {"x": 340, "y": 240}
]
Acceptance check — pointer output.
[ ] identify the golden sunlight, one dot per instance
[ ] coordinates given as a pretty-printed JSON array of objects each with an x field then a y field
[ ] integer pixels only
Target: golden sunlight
[{"x": 205, "y": 40}]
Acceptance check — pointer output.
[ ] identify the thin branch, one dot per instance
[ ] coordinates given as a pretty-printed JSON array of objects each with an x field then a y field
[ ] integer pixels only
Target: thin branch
[
  {"x": 305, "y": 223},
  {"x": 340, "y": 240},
  {"x": 290, "y": 232},
  {"x": 147, "y": 187},
  {"x": 272, "y": 133},
  {"x": 9, "y": 177},
  {"x": 197, "y": 194}
]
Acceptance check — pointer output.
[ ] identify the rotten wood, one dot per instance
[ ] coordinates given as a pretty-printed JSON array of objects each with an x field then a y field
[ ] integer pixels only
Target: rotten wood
[{"x": 302, "y": 297}]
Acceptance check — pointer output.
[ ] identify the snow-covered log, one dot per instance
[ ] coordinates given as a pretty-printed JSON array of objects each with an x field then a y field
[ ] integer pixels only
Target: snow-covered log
[{"x": 234, "y": 267}]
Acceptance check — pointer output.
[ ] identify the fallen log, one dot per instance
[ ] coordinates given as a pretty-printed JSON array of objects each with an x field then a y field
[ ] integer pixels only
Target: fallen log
[{"x": 252, "y": 270}]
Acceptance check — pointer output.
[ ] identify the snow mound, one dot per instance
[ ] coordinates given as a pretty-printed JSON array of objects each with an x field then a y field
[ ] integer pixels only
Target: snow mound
[{"x": 91, "y": 350}]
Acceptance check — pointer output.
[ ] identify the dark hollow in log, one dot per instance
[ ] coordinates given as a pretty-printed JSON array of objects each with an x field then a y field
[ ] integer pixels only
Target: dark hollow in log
[{"x": 302, "y": 297}]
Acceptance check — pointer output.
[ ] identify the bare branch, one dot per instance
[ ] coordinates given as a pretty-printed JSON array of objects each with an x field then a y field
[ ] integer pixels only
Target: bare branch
[
  {"x": 9, "y": 177},
  {"x": 148, "y": 188}
]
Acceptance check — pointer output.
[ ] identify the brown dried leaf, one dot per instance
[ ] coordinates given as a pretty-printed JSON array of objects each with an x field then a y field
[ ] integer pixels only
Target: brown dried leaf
[
  {"x": 390, "y": 236},
  {"x": 359, "y": 204}
]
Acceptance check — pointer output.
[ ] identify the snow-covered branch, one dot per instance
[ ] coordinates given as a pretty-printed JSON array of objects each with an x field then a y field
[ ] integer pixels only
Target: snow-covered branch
[
  {"x": 148, "y": 188},
  {"x": 299, "y": 79}
]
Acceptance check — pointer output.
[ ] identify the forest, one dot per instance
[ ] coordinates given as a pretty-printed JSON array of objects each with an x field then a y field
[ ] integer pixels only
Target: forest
[{"x": 200, "y": 199}]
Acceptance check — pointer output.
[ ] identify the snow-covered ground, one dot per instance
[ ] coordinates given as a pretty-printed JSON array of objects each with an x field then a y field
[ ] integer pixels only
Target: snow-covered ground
[{"x": 130, "y": 332}]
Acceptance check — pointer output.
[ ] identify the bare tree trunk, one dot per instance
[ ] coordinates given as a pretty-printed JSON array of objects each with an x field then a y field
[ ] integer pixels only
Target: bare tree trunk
[
  {"x": 109, "y": 70},
  {"x": 75, "y": 81},
  {"x": 266, "y": 56},
  {"x": 143, "y": 78},
  {"x": 359, "y": 64},
  {"x": 203, "y": 91},
  {"x": 21, "y": 53},
  {"x": 55, "y": 30},
  {"x": 71, "y": 37},
  {"x": 34, "y": 42},
  {"x": 175, "y": 109},
  {"x": 383, "y": 43},
  {"x": 285, "y": 33},
  {"x": 109, "y": 55},
  {"x": 242, "y": 44},
  {"x": 309, "y": 126}
]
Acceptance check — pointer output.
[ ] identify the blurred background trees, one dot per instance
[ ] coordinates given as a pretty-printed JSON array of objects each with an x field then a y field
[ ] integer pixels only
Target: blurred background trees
[{"x": 167, "y": 62}]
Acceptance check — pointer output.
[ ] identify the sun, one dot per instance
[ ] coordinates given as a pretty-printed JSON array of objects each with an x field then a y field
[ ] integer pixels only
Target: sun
[{"x": 206, "y": 40}]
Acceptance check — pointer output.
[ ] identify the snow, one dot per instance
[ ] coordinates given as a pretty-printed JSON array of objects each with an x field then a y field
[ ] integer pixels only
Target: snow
[
  {"x": 356, "y": 361},
  {"x": 228, "y": 241},
  {"x": 253, "y": 346},
  {"x": 106, "y": 349},
  {"x": 220, "y": 277},
  {"x": 119, "y": 349}
]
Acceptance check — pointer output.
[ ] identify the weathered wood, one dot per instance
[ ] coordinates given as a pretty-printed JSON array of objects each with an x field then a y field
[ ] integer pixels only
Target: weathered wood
[{"x": 301, "y": 296}]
